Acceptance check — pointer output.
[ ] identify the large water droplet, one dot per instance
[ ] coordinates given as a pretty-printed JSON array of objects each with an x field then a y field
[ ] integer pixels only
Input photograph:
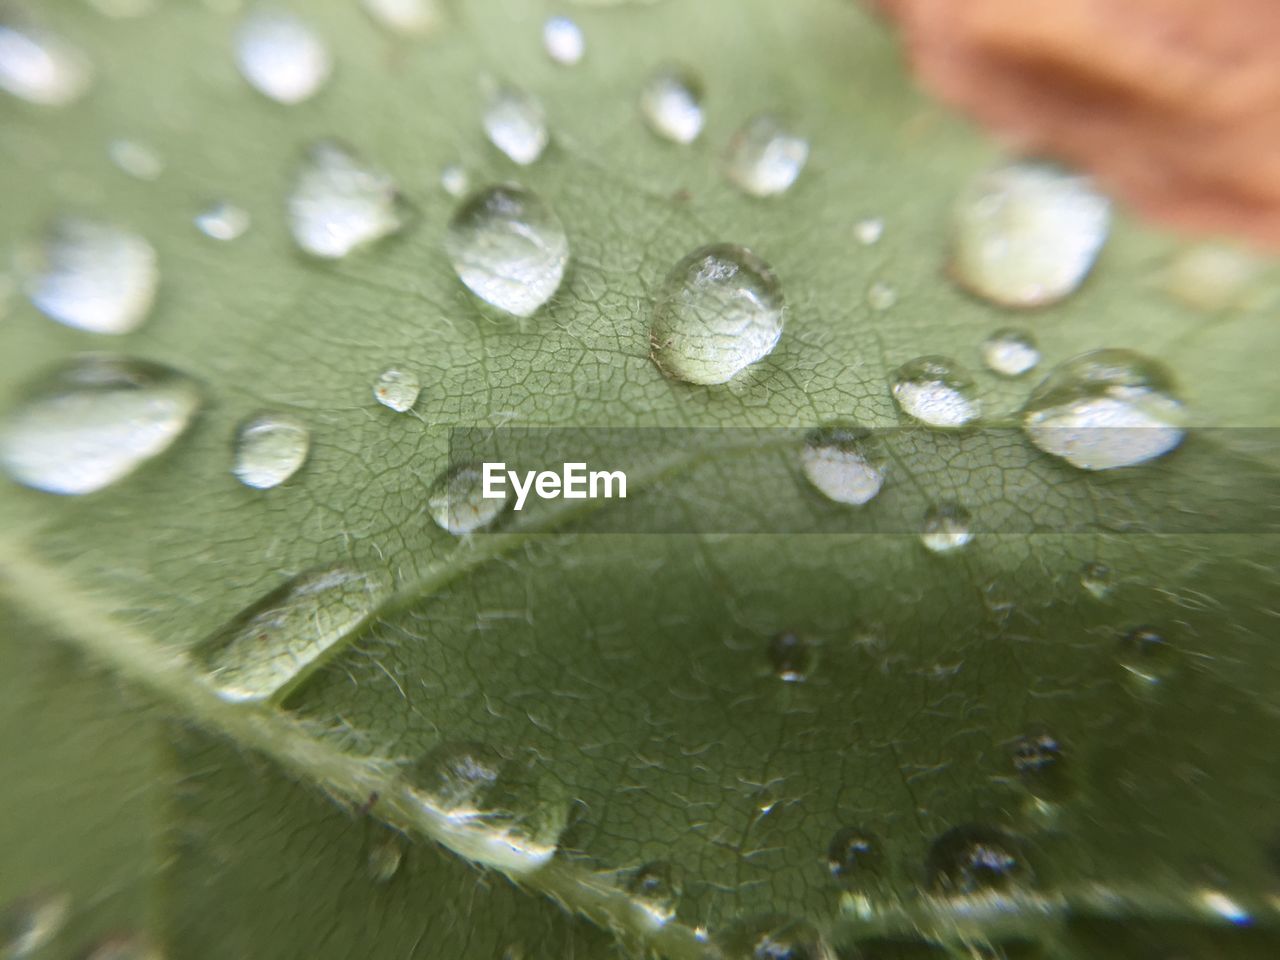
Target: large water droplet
[
  {"x": 30, "y": 923},
  {"x": 91, "y": 275},
  {"x": 855, "y": 856},
  {"x": 764, "y": 157},
  {"x": 655, "y": 889},
  {"x": 671, "y": 104},
  {"x": 834, "y": 460},
  {"x": 136, "y": 159},
  {"x": 563, "y": 40},
  {"x": 947, "y": 527},
  {"x": 1103, "y": 410},
  {"x": 457, "y": 502},
  {"x": 974, "y": 858},
  {"x": 339, "y": 203},
  {"x": 397, "y": 389},
  {"x": 405, "y": 17},
  {"x": 269, "y": 646},
  {"x": 1146, "y": 656},
  {"x": 269, "y": 449},
  {"x": 511, "y": 814},
  {"x": 94, "y": 421},
  {"x": 774, "y": 937},
  {"x": 508, "y": 247},
  {"x": 1010, "y": 352},
  {"x": 790, "y": 657},
  {"x": 516, "y": 124},
  {"x": 223, "y": 221},
  {"x": 1027, "y": 234},
  {"x": 41, "y": 67},
  {"x": 935, "y": 391},
  {"x": 719, "y": 310},
  {"x": 1096, "y": 579},
  {"x": 281, "y": 56}
]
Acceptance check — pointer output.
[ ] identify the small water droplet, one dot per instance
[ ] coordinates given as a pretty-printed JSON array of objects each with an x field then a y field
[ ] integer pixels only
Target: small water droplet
[
  {"x": 881, "y": 296},
  {"x": 1213, "y": 276},
  {"x": 764, "y": 157},
  {"x": 1010, "y": 352},
  {"x": 655, "y": 888},
  {"x": 410, "y": 18},
  {"x": 136, "y": 159},
  {"x": 270, "y": 645},
  {"x": 339, "y": 203},
  {"x": 397, "y": 389},
  {"x": 1040, "y": 762},
  {"x": 88, "y": 424},
  {"x": 935, "y": 391},
  {"x": 563, "y": 40},
  {"x": 457, "y": 502},
  {"x": 124, "y": 947},
  {"x": 385, "y": 857},
  {"x": 869, "y": 231},
  {"x": 454, "y": 180},
  {"x": 269, "y": 449},
  {"x": 516, "y": 124},
  {"x": 281, "y": 56},
  {"x": 41, "y": 67},
  {"x": 790, "y": 657},
  {"x": 774, "y": 937},
  {"x": 223, "y": 221},
  {"x": 510, "y": 813},
  {"x": 91, "y": 275},
  {"x": 1027, "y": 234},
  {"x": 1217, "y": 904},
  {"x": 834, "y": 460},
  {"x": 1096, "y": 579},
  {"x": 719, "y": 310},
  {"x": 1146, "y": 656},
  {"x": 947, "y": 527},
  {"x": 30, "y": 923},
  {"x": 671, "y": 103},
  {"x": 1103, "y": 410},
  {"x": 509, "y": 248},
  {"x": 975, "y": 859},
  {"x": 855, "y": 856}
]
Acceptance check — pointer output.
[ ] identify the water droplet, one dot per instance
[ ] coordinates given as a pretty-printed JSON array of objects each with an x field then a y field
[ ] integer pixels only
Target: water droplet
[
  {"x": 1103, "y": 410},
  {"x": 1010, "y": 352},
  {"x": 124, "y": 947},
  {"x": 855, "y": 855},
  {"x": 935, "y": 391},
  {"x": 1026, "y": 234},
  {"x": 516, "y": 124},
  {"x": 454, "y": 180},
  {"x": 223, "y": 221},
  {"x": 790, "y": 657},
  {"x": 412, "y": 18},
  {"x": 91, "y": 275},
  {"x": 563, "y": 40},
  {"x": 30, "y": 923},
  {"x": 975, "y": 859},
  {"x": 947, "y": 527},
  {"x": 881, "y": 296},
  {"x": 269, "y": 646},
  {"x": 655, "y": 888},
  {"x": 834, "y": 460},
  {"x": 136, "y": 159},
  {"x": 1218, "y": 904},
  {"x": 457, "y": 502},
  {"x": 269, "y": 449},
  {"x": 1096, "y": 579},
  {"x": 774, "y": 937},
  {"x": 385, "y": 857},
  {"x": 869, "y": 231},
  {"x": 510, "y": 814},
  {"x": 339, "y": 203},
  {"x": 92, "y": 422},
  {"x": 1213, "y": 276},
  {"x": 1146, "y": 656},
  {"x": 719, "y": 310},
  {"x": 1040, "y": 761},
  {"x": 397, "y": 389},
  {"x": 671, "y": 103},
  {"x": 281, "y": 56},
  {"x": 41, "y": 67},
  {"x": 508, "y": 247},
  {"x": 764, "y": 157}
]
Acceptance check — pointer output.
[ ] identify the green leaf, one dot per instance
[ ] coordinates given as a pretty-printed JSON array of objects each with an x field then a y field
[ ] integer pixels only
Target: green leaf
[{"x": 634, "y": 667}]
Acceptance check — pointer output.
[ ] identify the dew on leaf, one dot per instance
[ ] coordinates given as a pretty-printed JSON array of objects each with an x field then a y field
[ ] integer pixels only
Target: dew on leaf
[
  {"x": 397, "y": 389},
  {"x": 1213, "y": 276},
  {"x": 339, "y": 203},
  {"x": 454, "y": 180},
  {"x": 855, "y": 856},
  {"x": 719, "y": 310},
  {"x": 671, "y": 104},
  {"x": 30, "y": 923},
  {"x": 1039, "y": 759},
  {"x": 1027, "y": 234},
  {"x": 41, "y": 67},
  {"x": 93, "y": 421},
  {"x": 223, "y": 221},
  {"x": 269, "y": 449},
  {"x": 773, "y": 937},
  {"x": 935, "y": 391},
  {"x": 835, "y": 461},
  {"x": 947, "y": 527},
  {"x": 281, "y": 56},
  {"x": 385, "y": 857},
  {"x": 410, "y": 18},
  {"x": 91, "y": 275},
  {"x": 1010, "y": 352},
  {"x": 790, "y": 657},
  {"x": 1096, "y": 580},
  {"x": 1146, "y": 656},
  {"x": 563, "y": 41},
  {"x": 509, "y": 248},
  {"x": 1103, "y": 410},
  {"x": 515, "y": 123},
  {"x": 270, "y": 645},
  {"x": 974, "y": 858},
  {"x": 764, "y": 157},
  {"x": 869, "y": 231},
  {"x": 136, "y": 159},
  {"x": 655, "y": 889},
  {"x": 881, "y": 296},
  {"x": 457, "y": 502}
]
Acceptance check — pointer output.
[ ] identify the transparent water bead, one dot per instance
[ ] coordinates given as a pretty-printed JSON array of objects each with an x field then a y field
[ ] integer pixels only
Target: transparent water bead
[
  {"x": 457, "y": 502},
  {"x": 671, "y": 104},
  {"x": 509, "y": 248},
  {"x": 339, "y": 203},
  {"x": 281, "y": 56},
  {"x": 869, "y": 231},
  {"x": 94, "y": 421},
  {"x": 1214, "y": 276},
  {"x": 30, "y": 923},
  {"x": 1010, "y": 352},
  {"x": 397, "y": 389},
  {"x": 505, "y": 810},
  {"x": 41, "y": 67},
  {"x": 947, "y": 527},
  {"x": 881, "y": 296},
  {"x": 774, "y": 937},
  {"x": 454, "y": 180},
  {"x": 91, "y": 275},
  {"x": 655, "y": 889},
  {"x": 718, "y": 311},
  {"x": 270, "y": 645},
  {"x": 136, "y": 159},
  {"x": 790, "y": 657},
  {"x": 1104, "y": 410},
  {"x": 384, "y": 860},
  {"x": 269, "y": 449},
  {"x": 223, "y": 221},
  {"x": 935, "y": 391},
  {"x": 974, "y": 859},
  {"x": 1039, "y": 759},
  {"x": 410, "y": 18},
  {"x": 764, "y": 157},
  {"x": 1096, "y": 579},
  {"x": 563, "y": 41},
  {"x": 835, "y": 461},
  {"x": 855, "y": 856},
  {"x": 1027, "y": 234},
  {"x": 1146, "y": 656},
  {"x": 516, "y": 124}
]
